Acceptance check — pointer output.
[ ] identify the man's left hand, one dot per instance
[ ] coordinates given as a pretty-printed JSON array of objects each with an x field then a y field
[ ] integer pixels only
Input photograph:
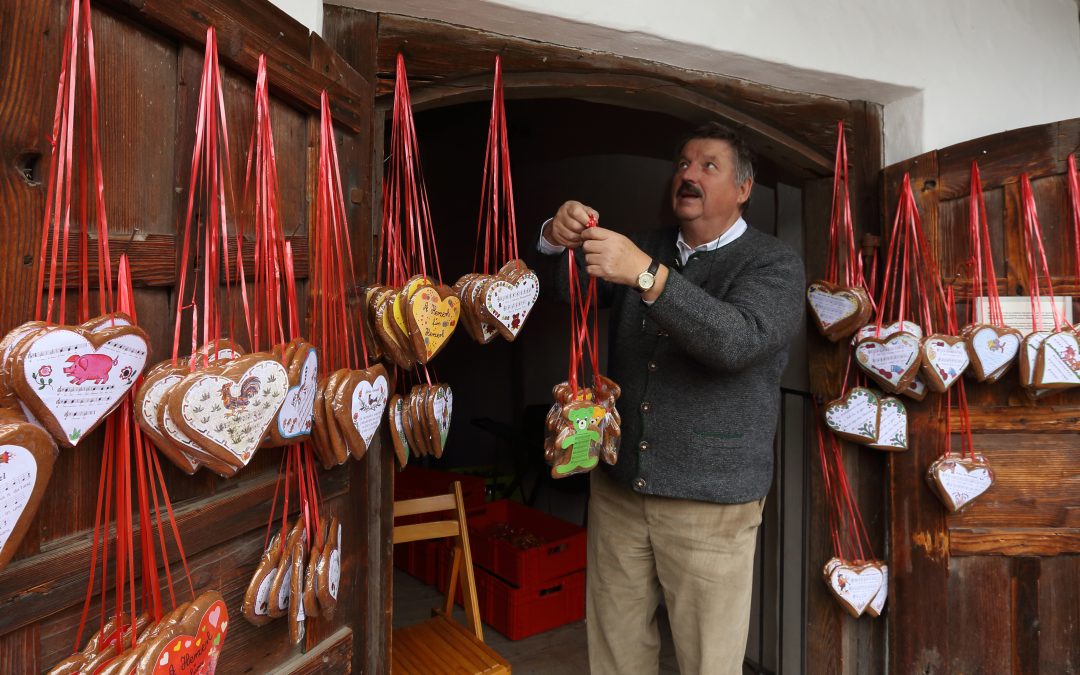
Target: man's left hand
[{"x": 612, "y": 257}]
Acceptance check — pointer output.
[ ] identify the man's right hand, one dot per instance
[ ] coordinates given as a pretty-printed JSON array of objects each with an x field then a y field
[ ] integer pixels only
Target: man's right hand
[{"x": 566, "y": 227}]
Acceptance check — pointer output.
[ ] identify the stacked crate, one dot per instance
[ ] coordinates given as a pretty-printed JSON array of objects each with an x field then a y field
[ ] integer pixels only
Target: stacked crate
[{"x": 529, "y": 568}]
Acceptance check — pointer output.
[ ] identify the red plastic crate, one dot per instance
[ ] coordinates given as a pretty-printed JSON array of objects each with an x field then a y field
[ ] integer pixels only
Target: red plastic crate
[
  {"x": 416, "y": 482},
  {"x": 562, "y": 550},
  {"x": 520, "y": 612}
]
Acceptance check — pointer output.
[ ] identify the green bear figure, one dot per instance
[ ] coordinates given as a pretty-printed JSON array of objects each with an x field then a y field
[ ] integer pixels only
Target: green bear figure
[{"x": 582, "y": 439}]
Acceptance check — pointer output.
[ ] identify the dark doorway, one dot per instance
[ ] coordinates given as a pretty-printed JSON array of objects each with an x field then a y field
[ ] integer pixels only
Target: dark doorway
[{"x": 618, "y": 160}]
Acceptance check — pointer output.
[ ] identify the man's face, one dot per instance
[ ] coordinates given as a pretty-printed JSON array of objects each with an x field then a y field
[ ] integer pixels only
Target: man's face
[{"x": 703, "y": 187}]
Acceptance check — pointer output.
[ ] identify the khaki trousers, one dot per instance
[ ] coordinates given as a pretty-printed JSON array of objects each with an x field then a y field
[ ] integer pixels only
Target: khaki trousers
[{"x": 699, "y": 555}]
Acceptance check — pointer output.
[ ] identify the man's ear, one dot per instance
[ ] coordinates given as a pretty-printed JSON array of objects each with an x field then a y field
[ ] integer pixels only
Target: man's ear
[{"x": 744, "y": 190}]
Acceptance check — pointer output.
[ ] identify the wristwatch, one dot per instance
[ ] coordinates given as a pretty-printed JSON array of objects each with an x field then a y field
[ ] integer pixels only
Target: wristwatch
[{"x": 646, "y": 279}]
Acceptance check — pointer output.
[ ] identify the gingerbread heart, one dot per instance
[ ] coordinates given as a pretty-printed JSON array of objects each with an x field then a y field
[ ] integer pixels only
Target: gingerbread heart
[
  {"x": 1058, "y": 365},
  {"x": 227, "y": 411},
  {"x": 175, "y": 434},
  {"x": 473, "y": 300},
  {"x": 944, "y": 360},
  {"x": 100, "y": 323},
  {"x": 196, "y": 651},
  {"x": 838, "y": 310},
  {"x": 397, "y": 432},
  {"x": 507, "y": 304},
  {"x": 27, "y": 455},
  {"x": 878, "y": 603},
  {"x": 368, "y": 391},
  {"x": 442, "y": 408},
  {"x": 399, "y": 350},
  {"x": 71, "y": 379},
  {"x": 892, "y": 362},
  {"x": 432, "y": 316},
  {"x": 256, "y": 603},
  {"x": 329, "y": 570},
  {"x": 991, "y": 349},
  {"x": 148, "y": 402},
  {"x": 296, "y": 417},
  {"x": 871, "y": 330},
  {"x": 855, "y": 416},
  {"x": 1029, "y": 360},
  {"x": 892, "y": 432},
  {"x": 957, "y": 481},
  {"x": 855, "y": 586},
  {"x": 917, "y": 390}
]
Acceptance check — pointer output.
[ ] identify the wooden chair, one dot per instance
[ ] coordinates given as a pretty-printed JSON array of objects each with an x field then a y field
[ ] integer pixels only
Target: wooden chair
[{"x": 441, "y": 644}]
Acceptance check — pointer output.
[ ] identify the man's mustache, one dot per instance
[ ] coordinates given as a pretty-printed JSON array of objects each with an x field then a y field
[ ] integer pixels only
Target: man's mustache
[{"x": 688, "y": 188}]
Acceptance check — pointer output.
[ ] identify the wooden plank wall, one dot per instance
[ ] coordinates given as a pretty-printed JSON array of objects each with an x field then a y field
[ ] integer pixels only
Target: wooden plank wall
[
  {"x": 149, "y": 59},
  {"x": 995, "y": 588}
]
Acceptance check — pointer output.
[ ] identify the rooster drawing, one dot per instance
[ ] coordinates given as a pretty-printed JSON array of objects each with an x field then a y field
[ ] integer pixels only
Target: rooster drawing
[{"x": 248, "y": 389}]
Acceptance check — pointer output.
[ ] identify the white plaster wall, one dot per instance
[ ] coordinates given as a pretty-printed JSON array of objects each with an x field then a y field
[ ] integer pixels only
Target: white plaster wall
[
  {"x": 945, "y": 71},
  {"x": 307, "y": 12}
]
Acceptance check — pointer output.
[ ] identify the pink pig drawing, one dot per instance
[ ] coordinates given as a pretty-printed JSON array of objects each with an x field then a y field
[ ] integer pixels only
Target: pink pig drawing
[{"x": 94, "y": 367}]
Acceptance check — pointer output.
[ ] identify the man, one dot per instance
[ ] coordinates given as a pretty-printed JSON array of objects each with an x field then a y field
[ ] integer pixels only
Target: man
[{"x": 700, "y": 325}]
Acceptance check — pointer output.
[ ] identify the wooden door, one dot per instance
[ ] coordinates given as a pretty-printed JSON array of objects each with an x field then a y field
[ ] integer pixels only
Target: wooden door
[
  {"x": 996, "y": 588},
  {"x": 149, "y": 59}
]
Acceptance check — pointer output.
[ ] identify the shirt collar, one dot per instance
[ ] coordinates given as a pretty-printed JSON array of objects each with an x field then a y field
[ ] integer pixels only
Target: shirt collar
[{"x": 731, "y": 234}]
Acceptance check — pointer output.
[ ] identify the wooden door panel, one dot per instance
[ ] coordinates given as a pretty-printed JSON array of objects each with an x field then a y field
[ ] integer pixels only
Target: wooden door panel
[
  {"x": 1009, "y": 563},
  {"x": 149, "y": 62}
]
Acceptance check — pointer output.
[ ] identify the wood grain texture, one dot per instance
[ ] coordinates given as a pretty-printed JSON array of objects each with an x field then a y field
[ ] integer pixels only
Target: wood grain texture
[
  {"x": 149, "y": 74},
  {"x": 1059, "y": 607},
  {"x": 1014, "y": 541},
  {"x": 980, "y": 606},
  {"x": 1037, "y": 480},
  {"x": 248, "y": 28}
]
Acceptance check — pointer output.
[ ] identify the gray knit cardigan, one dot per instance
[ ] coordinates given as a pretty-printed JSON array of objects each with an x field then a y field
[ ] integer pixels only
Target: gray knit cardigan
[{"x": 700, "y": 368}]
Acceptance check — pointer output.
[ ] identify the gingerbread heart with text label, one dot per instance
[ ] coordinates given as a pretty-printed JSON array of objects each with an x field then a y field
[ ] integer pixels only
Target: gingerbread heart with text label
[
  {"x": 944, "y": 360},
  {"x": 877, "y": 605},
  {"x": 508, "y": 303},
  {"x": 855, "y": 416},
  {"x": 991, "y": 349},
  {"x": 27, "y": 455},
  {"x": 892, "y": 362},
  {"x": 838, "y": 310},
  {"x": 296, "y": 417},
  {"x": 226, "y": 410},
  {"x": 892, "y": 434},
  {"x": 1029, "y": 361},
  {"x": 442, "y": 408},
  {"x": 432, "y": 316},
  {"x": 855, "y": 585},
  {"x": 917, "y": 390},
  {"x": 959, "y": 480},
  {"x": 1058, "y": 365},
  {"x": 366, "y": 400},
  {"x": 195, "y": 651},
  {"x": 71, "y": 379}
]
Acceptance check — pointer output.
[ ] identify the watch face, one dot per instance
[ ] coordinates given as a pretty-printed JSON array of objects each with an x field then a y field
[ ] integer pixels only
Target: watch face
[{"x": 645, "y": 281}]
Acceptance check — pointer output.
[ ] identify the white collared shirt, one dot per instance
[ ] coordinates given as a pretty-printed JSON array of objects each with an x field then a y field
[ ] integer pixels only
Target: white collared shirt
[{"x": 734, "y": 232}]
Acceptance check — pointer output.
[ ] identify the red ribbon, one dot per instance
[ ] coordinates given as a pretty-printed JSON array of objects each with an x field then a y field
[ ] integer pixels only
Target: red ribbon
[{"x": 496, "y": 236}]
